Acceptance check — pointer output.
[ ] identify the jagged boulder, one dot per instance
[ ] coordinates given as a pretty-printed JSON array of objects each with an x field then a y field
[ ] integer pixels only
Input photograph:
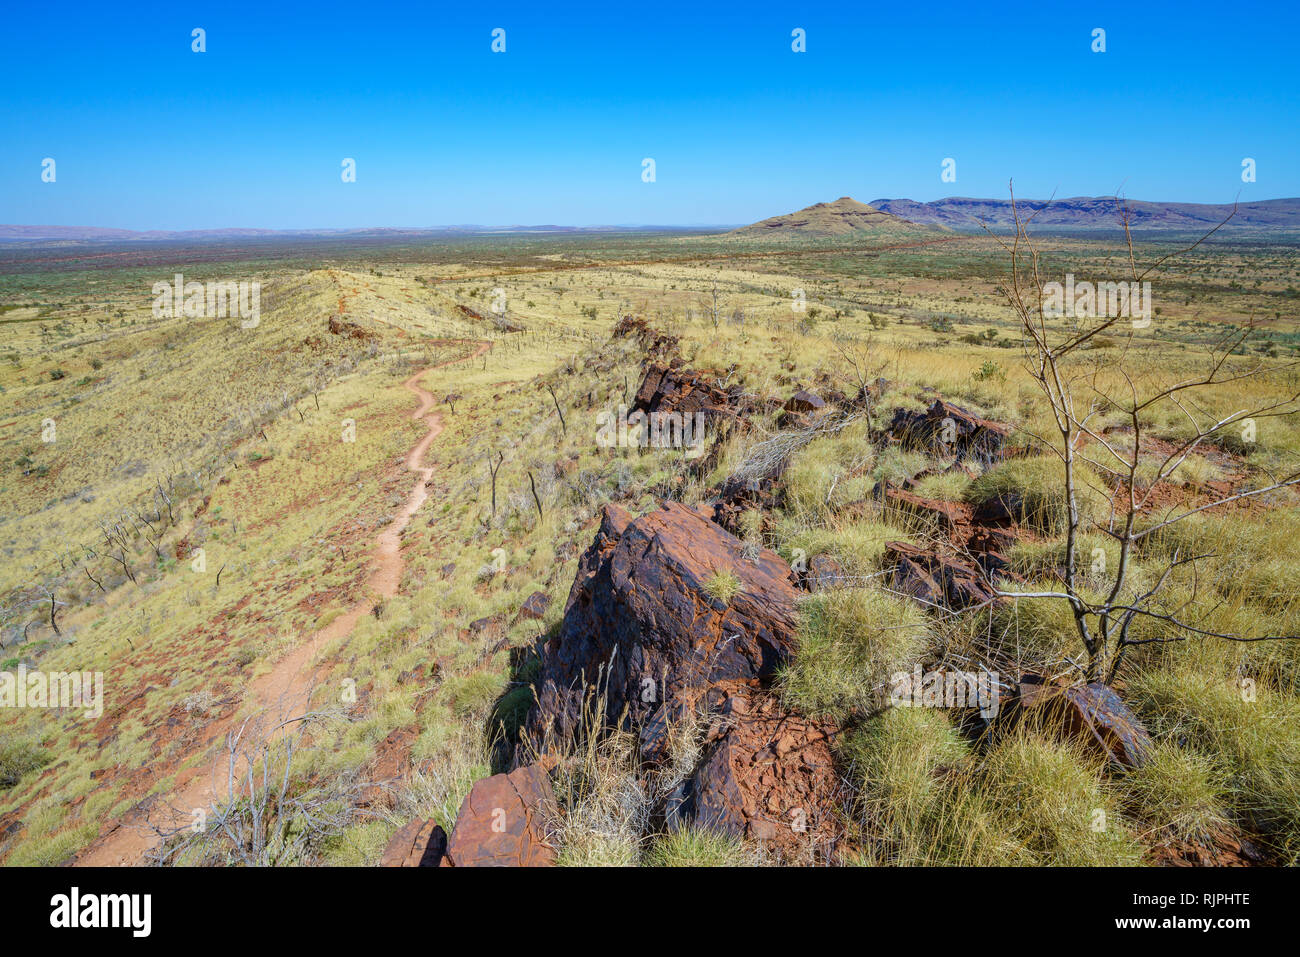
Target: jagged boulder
[
  {"x": 534, "y": 606},
  {"x": 767, "y": 775},
  {"x": 804, "y": 401},
  {"x": 1092, "y": 713},
  {"x": 936, "y": 578},
  {"x": 946, "y": 428},
  {"x": 666, "y": 389},
  {"x": 642, "y": 627},
  {"x": 419, "y": 843},
  {"x": 503, "y": 822}
]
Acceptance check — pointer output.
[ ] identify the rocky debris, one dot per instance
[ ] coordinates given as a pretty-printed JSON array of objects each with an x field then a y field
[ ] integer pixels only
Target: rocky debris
[
  {"x": 500, "y": 322},
  {"x": 804, "y": 401},
  {"x": 767, "y": 775},
  {"x": 1224, "y": 848},
  {"x": 977, "y": 533},
  {"x": 535, "y": 605},
  {"x": 989, "y": 546},
  {"x": 503, "y": 822},
  {"x": 936, "y": 578},
  {"x": 947, "y": 428},
  {"x": 736, "y": 497},
  {"x": 640, "y": 627},
  {"x": 666, "y": 390},
  {"x": 417, "y": 844},
  {"x": 823, "y": 572},
  {"x": 948, "y": 516},
  {"x": 1005, "y": 508},
  {"x": 391, "y": 762},
  {"x": 657, "y": 345},
  {"x": 342, "y": 327},
  {"x": 1093, "y": 713}
]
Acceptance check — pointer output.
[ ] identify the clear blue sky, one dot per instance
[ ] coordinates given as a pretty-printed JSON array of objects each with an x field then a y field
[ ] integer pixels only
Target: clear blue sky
[{"x": 148, "y": 135}]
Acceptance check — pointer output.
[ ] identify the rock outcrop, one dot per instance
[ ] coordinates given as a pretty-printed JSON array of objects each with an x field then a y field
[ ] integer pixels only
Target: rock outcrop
[
  {"x": 983, "y": 536},
  {"x": 534, "y": 606},
  {"x": 768, "y": 775},
  {"x": 657, "y": 344},
  {"x": 804, "y": 401},
  {"x": 935, "y": 578},
  {"x": 1092, "y": 713},
  {"x": 642, "y": 629},
  {"x": 666, "y": 390},
  {"x": 944, "y": 428}
]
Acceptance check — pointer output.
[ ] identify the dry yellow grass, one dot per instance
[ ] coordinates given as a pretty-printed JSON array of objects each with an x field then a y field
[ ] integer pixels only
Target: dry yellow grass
[{"x": 291, "y": 511}]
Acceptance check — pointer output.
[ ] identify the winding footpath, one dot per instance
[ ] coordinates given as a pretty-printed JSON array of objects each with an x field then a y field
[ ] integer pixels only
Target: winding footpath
[{"x": 286, "y": 689}]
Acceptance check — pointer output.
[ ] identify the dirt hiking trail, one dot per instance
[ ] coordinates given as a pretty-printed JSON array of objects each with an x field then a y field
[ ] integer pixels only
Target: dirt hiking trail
[{"x": 286, "y": 688}]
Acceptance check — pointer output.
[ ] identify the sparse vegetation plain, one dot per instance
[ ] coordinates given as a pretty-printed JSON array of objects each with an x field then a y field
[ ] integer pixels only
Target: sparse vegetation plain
[{"x": 183, "y": 502}]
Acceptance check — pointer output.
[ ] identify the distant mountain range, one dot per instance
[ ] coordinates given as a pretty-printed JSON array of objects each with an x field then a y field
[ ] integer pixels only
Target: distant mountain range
[
  {"x": 1093, "y": 212},
  {"x": 92, "y": 233},
  {"x": 845, "y": 218}
]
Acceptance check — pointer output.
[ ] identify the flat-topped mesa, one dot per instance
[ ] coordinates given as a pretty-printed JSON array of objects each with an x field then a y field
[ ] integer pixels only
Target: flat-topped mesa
[{"x": 663, "y": 609}]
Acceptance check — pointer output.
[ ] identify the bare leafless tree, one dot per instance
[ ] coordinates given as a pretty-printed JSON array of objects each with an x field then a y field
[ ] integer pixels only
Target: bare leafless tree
[
  {"x": 563, "y": 425},
  {"x": 712, "y": 306},
  {"x": 494, "y": 469},
  {"x": 261, "y": 814},
  {"x": 864, "y": 367},
  {"x": 1080, "y": 390}
]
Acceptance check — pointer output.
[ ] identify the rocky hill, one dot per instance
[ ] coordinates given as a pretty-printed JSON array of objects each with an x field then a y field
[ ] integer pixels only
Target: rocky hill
[
  {"x": 845, "y": 218},
  {"x": 1094, "y": 212}
]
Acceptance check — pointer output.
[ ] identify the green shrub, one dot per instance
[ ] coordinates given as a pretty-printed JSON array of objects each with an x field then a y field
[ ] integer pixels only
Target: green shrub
[
  {"x": 696, "y": 847},
  {"x": 723, "y": 585},
  {"x": 851, "y": 640},
  {"x": 1176, "y": 791},
  {"x": 915, "y": 802},
  {"x": 1053, "y": 803},
  {"x": 1039, "y": 484},
  {"x": 18, "y": 756},
  {"x": 1253, "y": 744}
]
